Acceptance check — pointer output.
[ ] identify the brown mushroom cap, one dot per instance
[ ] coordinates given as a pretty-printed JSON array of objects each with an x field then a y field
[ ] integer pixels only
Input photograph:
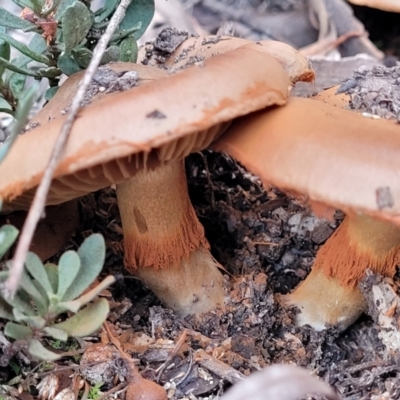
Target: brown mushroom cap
[
  {"x": 147, "y": 125},
  {"x": 385, "y": 5},
  {"x": 197, "y": 49},
  {"x": 330, "y": 96},
  {"x": 293, "y": 148}
]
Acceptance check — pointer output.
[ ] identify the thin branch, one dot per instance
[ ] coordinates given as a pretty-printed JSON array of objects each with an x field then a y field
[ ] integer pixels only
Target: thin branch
[{"x": 39, "y": 201}]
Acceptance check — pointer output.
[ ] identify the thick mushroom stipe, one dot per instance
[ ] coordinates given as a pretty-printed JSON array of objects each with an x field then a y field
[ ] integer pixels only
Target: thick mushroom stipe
[
  {"x": 159, "y": 223},
  {"x": 324, "y": 301},
  {"x": 360, "y": 243},
  {"x": 162, "y": 232},
  {"x": 338, "y": 158}
]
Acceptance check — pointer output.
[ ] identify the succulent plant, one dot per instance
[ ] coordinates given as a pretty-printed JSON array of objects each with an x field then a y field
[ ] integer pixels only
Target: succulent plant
[
  {"x": 47, "y": 291},
  {"x": 65, "y": 34}
]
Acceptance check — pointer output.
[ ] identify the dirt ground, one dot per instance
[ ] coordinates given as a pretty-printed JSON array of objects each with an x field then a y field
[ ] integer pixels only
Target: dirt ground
[{"x": 266, "y": 242}]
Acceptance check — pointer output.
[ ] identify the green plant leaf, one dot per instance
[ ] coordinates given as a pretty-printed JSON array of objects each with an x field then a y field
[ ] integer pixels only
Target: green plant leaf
[
  {"x": 6, "y": 310},
  {"x": 21, "y": 302},
  {"x": 56, "y": 333},
  {"x": 36, "y": 268},
  {"x": 68, "y": 65},
  {"x": 68, "y": 268},
  {"x": 128, "y": 50},
  {"x": 23, "y": 49},
  {"x": 9, "y": 20},
  {"x": 28, "y": 286},
  {"x": 75, "y": 305},
  {"x": 110, "y": 55},
  {"x": 40, "y": 352},
  {"x": 76, "y": 21},
  {"x": 33, "y": 321},
  {"x": 92, "y": 255},
  {"x": 138, "y": 11},
  {"x": 50, "y": 92},
  {"x": 8, "y": 234},
  {"x": 52, "y": 273},
  {"x": 21, "y": 118},
  {"x": 82, "y": 57},
  {"x": 17, "y": 331},
  {"x": 62, "y": 7},
  {"x": 12, "y": 67},
  {"x": 108, "y": 8},
  {"x": 5, "y": 106},
  {"x": 17, "y": 83},
  {"x": 34, "y": 5},
  {"x": 5, "y": 50},
  {"x": 86, "y": 321}
]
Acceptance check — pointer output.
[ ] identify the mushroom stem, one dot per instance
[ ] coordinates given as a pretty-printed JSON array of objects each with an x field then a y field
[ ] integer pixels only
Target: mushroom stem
[
  {"x": 329, "y": 294},
  {"x": 164, "y": 241}
]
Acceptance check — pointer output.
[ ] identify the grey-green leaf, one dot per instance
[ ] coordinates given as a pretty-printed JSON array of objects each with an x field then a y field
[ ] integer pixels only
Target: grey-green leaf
[
  {"x": 36, "y": 268},
  {"x": 52, "y": 273},
  {"x": 138, "y": 11},
  {"x": 26, "y": 50},
  {"x": 128, "y": 50},
  {"x": 10, "y": 20},
  {"x": 56, "y": 333},
  {"x": 50, "y": 92},
  {"x": 76, "y": 22},
  {"x": 86, "y": 321},
  {"x": 62, "y": 7},
  {"x": 75, "y": 305},
  {"x": 17, "y": 331},
  {"x": 40, "y": 352},
  {"x": 67, "y": 65},
  {"x": 28, "y": 286},
  {"x": 32, "y": 321},
  {"x": 21, "y": 118},
  {"x": 92, "y": 255},
  {"x": 5, "y": 310},
  {"x": 8, "y": 234},
  {"x": 106, "y": 10},
  {"x": 68, "y": 268},
  {"x": 5, "y": 50},
  {"x": 82, "y": 57}
]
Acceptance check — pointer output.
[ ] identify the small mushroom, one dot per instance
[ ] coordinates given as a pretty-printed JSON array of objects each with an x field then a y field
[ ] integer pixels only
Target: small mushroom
[
  {"x": 138, "y": 139},
  {"x": 334, "y": 158}
]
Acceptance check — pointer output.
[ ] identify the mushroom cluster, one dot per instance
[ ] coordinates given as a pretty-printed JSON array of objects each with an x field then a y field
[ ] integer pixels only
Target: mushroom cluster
[
  {"x": 137, "y": 139},
  {"x": 335, "y": 159}
]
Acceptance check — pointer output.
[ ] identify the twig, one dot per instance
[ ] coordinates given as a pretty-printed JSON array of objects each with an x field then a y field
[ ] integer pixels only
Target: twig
[{"x": 11, "y": 284}]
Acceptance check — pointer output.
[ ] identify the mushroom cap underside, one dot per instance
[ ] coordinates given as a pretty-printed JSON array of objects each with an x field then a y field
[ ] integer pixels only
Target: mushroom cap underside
[
  {"x": 145, "y": 126},
  {"x": 323, "y": 153}
]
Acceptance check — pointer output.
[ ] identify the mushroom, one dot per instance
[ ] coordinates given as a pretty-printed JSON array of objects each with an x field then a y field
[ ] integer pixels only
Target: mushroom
[
  {"x": 138, "y": 139},
  {"x": 196, "y": 49},
  {"x": 334, "y": 158}
]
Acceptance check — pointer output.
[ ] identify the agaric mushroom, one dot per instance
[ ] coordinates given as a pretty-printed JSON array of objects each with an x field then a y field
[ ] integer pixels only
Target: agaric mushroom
[
  {"x": 334, "y": 158},
  {"x": 385, "y": 5},
  {"x": 137, "y": 139},
  {"x": 196, "y": 49}
]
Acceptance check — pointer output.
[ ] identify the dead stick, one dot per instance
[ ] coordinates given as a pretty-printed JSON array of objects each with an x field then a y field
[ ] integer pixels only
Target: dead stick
[
  {"x": 11, "y": 284},
  {"x": 218, "y": 367}
]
